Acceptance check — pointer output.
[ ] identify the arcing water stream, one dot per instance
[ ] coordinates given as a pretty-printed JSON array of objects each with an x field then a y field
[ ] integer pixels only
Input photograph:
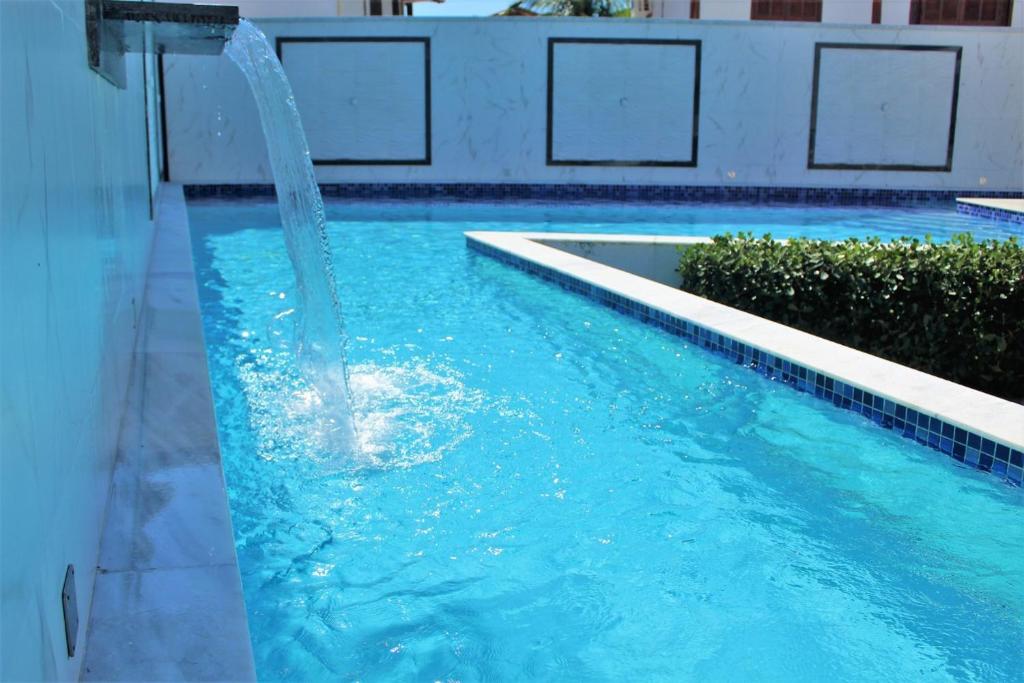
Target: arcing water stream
[{"x": 319, "y": 330}]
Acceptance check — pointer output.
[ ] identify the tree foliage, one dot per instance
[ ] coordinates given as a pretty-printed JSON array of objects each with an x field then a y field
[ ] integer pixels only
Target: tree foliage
[{"x": 574, "y": 8}]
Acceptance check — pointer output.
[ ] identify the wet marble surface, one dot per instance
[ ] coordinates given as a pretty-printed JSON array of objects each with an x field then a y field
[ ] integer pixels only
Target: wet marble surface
[
  {"x": 169, "y": 624},
  {"x": 168, "y": 602}
]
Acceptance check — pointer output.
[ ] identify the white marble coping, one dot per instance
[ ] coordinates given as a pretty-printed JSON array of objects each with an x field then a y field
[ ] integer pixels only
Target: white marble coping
[
  {"x": 544, "y": 237},
  {"x": 1012, "y": 205},
  {"x": 167, "y": 601},
  {"x": 981, "y": 413}
]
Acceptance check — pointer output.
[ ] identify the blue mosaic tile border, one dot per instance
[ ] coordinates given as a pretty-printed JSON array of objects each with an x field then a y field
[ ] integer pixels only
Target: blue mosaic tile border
[
  {"x": 990, "y": 212},
  {"x": 619, "y": 193},
  {"x": 966, "y": 447}
]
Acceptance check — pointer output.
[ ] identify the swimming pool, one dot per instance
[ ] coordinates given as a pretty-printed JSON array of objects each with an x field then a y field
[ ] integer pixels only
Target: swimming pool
[{"x": 548, "y": 489}]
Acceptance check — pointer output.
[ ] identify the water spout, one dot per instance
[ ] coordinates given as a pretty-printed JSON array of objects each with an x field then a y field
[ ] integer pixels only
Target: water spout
[
  {"x": 319, "y": 327},
  {"x": 114, "y": 27}
]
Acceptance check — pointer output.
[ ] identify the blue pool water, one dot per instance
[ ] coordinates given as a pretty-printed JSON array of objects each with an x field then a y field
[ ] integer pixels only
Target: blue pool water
[{"x": 546, "y": 489}]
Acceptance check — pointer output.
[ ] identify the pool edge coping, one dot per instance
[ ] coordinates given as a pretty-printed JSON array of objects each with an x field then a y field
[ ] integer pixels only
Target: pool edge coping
[
  {"x": 1005, "y": 209},
  {"x": 986, "y": 416},
  {"x": 184, "y": 602}
]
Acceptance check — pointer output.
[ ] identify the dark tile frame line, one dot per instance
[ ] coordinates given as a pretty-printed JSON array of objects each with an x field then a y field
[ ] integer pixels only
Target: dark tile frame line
[
  {"x": 946, "y": 168},
  {"x": 149, "y": 148},
  {"x": 691, "y": 163},
  {"x": 165, "y": 170},
  {"x": 426, "y": 160},
  {"x": 578, "y": 192},
  {"x": 968, "y": 448}
]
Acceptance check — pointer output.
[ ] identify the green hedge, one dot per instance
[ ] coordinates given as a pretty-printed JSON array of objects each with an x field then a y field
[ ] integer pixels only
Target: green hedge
[{"x": 955, "y": 309}]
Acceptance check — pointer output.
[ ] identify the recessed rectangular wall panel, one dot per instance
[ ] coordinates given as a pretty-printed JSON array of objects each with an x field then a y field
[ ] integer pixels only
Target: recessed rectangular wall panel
[
  {"x": 623, "y": 102},
  {"x": 363, "y": 100},
  {"x": 884, "y": 107}
]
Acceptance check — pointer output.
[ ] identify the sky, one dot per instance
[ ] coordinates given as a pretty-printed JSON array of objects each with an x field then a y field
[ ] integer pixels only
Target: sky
[{"x": 460, "y": 8}]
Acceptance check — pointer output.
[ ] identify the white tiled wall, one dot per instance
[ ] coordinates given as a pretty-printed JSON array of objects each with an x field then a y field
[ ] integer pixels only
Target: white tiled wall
[
  {"x": 76, "y": 233},
  {"x": 489, "y": 97}
]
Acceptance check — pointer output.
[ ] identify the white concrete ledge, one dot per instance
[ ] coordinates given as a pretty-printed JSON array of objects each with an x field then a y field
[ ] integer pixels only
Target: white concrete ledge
[
  {"x": 976, "y": 412},
  {"x": 1009, "y": 205},
  {"x": 167, "y": 602},
  {"x": 1009, "y": 210},
  {"x": 654, "y": 257}
]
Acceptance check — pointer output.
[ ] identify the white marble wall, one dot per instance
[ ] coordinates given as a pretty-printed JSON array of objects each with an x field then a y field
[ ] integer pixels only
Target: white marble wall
[
  {"x": 76, "y": 234},
  {"x": 902, "y": 119},
  {"x": 625, "y": 91},
  {"x": 489, "y": 96},
  {"x": 655, "y": 258},
  {"x": 361, "y": 100}
]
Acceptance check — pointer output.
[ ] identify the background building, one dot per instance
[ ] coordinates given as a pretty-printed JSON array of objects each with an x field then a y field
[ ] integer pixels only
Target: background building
[{"x": 934, "y": 12}]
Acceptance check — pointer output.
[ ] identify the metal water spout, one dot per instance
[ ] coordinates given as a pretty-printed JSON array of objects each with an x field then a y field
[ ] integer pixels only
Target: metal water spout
[{"x": 116, "y": 27}]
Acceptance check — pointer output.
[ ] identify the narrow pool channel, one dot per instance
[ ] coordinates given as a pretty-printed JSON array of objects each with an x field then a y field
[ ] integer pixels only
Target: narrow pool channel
[{"x": 547, "y": 489}]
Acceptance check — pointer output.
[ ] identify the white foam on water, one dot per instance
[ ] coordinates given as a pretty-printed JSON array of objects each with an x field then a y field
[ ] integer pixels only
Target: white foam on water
[{"x": 410, "y": 414}]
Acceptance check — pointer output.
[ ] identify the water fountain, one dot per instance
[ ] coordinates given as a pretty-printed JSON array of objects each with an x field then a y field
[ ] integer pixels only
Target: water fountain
[
  {"x": 320, "y": 340},
  {"x": 114, "y": 27}
]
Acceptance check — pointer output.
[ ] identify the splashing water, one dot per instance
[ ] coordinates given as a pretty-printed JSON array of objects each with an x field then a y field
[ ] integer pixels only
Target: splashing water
[{"x": 318, "y": 325}]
